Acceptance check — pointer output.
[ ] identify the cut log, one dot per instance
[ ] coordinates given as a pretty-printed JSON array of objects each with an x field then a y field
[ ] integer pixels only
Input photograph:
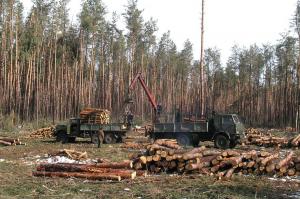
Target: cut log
[
  {"x": 89, "y": 176},
  {"x": 5, "y": 143},
  {"x": 251, "y": 164},
  {"x": 143, "y": 159},
  {"x": 149, "y": 158},
  {"x": 285, "y": 161},
  {"x": 156, "y": 158},
  {"x": 229, "y": 173},
  {"x": 270, "y": 158},
  {"x": 291, "y": 172},
  {"x": 264, "y": 154},
  {"x": 12, "y": 140},
  {"x": 189, "y": 156},
  {"x": 210, "y": 153},
  {"x": 172, "y": 144}
]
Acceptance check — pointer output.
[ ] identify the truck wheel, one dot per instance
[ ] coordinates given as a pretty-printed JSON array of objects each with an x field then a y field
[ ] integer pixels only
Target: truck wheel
[
  {"x": 72, "y": 139},
  {"x": 183, "y": 139},
  {"x": 222, "y": 142},
  {"x": 62, "y": 137},
  {"x": 232, "y": 144},
  {"x": 109, "y": 138}
]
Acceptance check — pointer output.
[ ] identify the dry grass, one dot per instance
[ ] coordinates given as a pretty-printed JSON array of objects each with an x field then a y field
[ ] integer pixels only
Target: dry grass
[{"x": 16, "y": 180}]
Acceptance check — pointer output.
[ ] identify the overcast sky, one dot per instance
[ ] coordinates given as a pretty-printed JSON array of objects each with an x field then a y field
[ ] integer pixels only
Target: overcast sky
[{"x": 227, "y": 22}]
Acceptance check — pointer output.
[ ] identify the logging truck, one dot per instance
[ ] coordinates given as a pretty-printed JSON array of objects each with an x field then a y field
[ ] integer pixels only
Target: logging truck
[
  {"x": 113, "y": 132},
  {"x": 224, "y": 130}
]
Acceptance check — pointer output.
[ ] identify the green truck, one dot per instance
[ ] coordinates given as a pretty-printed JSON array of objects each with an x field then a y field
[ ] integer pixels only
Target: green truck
[
  {"x": 113, "y": 132},
  {"x": 225, "y": 130}
]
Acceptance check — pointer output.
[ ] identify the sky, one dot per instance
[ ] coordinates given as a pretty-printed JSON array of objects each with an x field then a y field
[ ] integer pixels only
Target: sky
[{"x": 227, "y": 22}]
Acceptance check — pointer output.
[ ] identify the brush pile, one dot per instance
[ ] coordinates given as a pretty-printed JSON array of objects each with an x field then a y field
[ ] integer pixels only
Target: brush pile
[
  {"x": 43, "y": 133},
  {"x": 95, "y": 116},
  {"x": 258, "y": 138},
  {"x": 101, "y": 171},
  {"x": 168, "y": 156},
  {"x": 10, "y": 141}
]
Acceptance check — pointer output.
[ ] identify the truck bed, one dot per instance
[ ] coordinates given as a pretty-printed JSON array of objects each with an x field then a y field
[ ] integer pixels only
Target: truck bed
[
  {"x": 114, "y": 127},
  {"x": 188, "y": 127}
]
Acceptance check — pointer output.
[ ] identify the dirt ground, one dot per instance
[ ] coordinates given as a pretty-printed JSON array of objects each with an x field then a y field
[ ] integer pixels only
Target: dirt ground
[{"x": 18, "y": 162}]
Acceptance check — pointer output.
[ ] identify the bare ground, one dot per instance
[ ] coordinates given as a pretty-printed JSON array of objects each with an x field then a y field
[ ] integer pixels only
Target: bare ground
[{"x": 16, "y": 181}]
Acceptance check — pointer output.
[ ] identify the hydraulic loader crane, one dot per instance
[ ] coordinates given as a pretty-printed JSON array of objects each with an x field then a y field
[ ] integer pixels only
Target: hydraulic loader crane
[{"x": 156, "y": 107}]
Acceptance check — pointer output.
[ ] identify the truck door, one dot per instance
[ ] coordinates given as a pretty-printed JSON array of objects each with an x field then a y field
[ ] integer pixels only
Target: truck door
[
  {"x": 227, "y": 123},
  {"x": 217, "y": 121}
]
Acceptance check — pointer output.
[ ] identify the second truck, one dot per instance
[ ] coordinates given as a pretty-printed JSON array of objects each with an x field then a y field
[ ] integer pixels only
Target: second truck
[{"x": 225, "y": 130}]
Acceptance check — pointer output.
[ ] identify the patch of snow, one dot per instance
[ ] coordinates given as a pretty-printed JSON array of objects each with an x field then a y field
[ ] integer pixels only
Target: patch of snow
[
  {"x": 138, "y": 127},
  {"x": 2, "y": 160},
  {"x": 285, "y": 179},
  {"x": 63, "y": 159}
]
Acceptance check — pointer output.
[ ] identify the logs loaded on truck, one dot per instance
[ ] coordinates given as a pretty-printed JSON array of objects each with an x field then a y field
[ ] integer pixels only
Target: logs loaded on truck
[{"x": 93, "y": 123}]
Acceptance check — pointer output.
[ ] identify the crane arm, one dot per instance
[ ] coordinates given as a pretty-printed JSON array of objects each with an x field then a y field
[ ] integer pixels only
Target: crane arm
[{"x": 151, "y": 98}]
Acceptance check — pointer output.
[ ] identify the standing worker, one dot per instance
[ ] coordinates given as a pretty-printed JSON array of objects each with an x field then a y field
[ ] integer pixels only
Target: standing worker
[{"x": 100, "y": 137}]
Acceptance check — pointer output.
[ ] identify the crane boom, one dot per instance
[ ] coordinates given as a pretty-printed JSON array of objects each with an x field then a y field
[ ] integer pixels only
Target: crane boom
[
  {"x": 151, "y": 98},
  {"x": 157, "y": 108}
]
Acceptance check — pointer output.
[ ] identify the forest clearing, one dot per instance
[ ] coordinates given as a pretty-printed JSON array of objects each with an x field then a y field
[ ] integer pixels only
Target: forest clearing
[
  {"x": 19, "y": 162},
  {"x": 104, "y": 103}
]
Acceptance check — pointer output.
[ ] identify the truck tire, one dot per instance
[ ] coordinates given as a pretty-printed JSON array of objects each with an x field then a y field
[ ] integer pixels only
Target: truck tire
[
  {"x": 222, "y": 142},
  {"x": 62, "y": 136},
  {"x": 109, "y": 138},
  {"x": 72, "y": 139},
  {"x": 183, "y": 139},
  {"x": 233, "y": 144}
]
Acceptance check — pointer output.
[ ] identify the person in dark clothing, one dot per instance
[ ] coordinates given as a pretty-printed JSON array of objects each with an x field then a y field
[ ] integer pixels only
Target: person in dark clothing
[
  {"x": 129, "y": 119},
  {"x": 178, "y": 116}
]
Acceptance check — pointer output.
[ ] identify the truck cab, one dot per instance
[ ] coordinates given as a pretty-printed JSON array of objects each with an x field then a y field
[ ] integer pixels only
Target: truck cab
[
  {"x": 68, "y": 132},
  {"x": 226, "y": 130}
]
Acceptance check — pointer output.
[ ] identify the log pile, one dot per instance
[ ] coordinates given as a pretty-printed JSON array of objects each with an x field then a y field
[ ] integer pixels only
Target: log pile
[
  {"x": 170, "y": 158},
  {"x": 102, "y": 171},
  {"x": 71, "y": 154},
  {"x": 134, "y": 145},
  {"x": 95, "y": 116},
  {"x": 10, "y": 141},
  {"x": 137, "y": 139},
  {"x": 256, "y": 137},
  {"x": 42, "y": 133}
]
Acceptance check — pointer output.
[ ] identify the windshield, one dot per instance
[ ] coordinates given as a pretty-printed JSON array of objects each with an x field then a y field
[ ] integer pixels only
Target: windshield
[
  {"x": 236, "y": 119},
  {"x": 227, "y": 120}
]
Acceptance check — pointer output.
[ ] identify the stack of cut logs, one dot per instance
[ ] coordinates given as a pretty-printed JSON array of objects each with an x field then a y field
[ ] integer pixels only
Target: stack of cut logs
[
  {"x": 42, "y": 133},
  {"x": 101, "y": 171},
  {"x": 10, "y": 141},
  {"x": 134, "y": 145},
  {"x": 167, "y": 156},
  {"x": 95, "y": 116},
  {"x": 135, "y": 142},
  {"x": 256, "y": 137},
  {"x": 72, "y": 154}
]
